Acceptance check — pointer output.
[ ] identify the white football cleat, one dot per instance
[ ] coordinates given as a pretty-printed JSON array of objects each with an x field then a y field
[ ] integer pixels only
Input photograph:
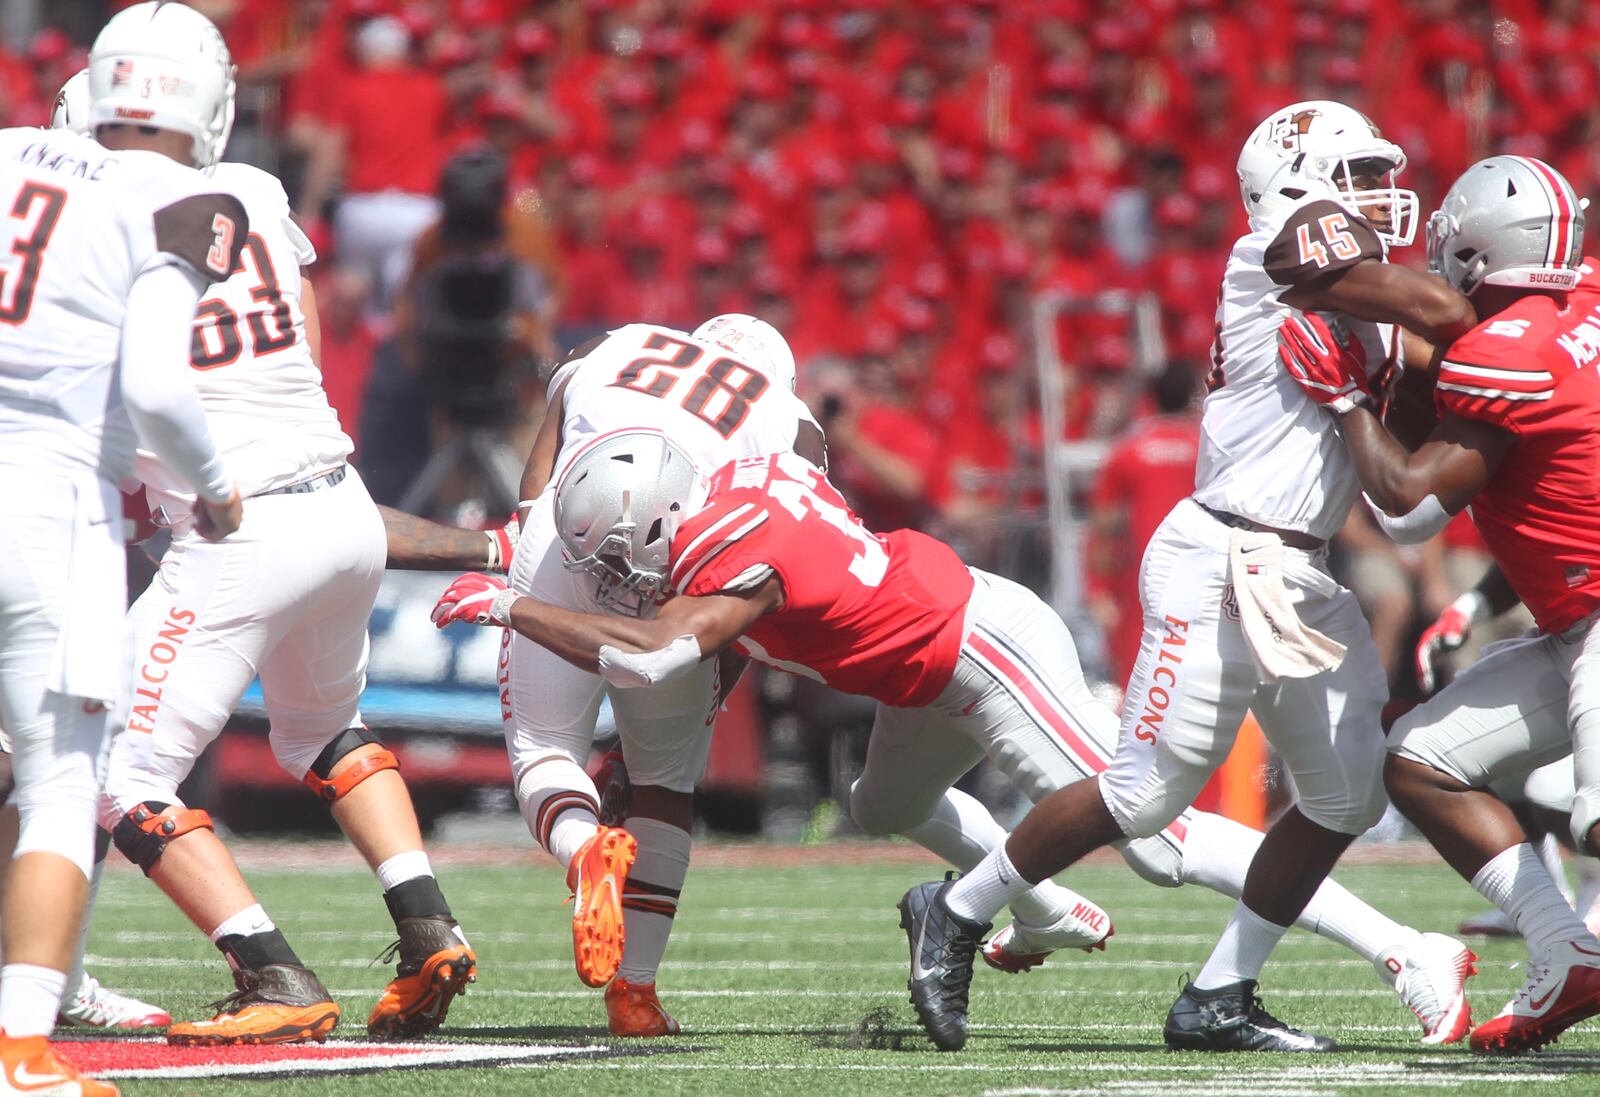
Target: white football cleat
[
  {"x": 1563, "y": 988},
  {"x": 1491, "y": 923},
  {"x": 1432, "y": 983},
  {"x": 1020, "y": 947},
  {"x": 96, "y": 1007}
]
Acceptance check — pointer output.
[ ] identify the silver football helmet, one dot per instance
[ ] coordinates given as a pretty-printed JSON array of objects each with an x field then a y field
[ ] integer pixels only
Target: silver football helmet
[
  {"x": 1322, "y": 148},
  {"x": 617, "y": 507},
  {"x": 1508, "y": 221}
]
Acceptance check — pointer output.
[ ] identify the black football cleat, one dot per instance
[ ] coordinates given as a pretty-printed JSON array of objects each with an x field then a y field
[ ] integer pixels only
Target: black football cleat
[
  {"x": 943, "y": 946},
  {"x": 1231, "y": 1018}
]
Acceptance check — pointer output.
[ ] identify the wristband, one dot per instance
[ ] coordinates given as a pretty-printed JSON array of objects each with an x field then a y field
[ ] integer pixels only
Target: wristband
[
  {"x": 1472, "y": 605},
  {"x": 500, "y": 608},
  {"x": 493, "y": 561}
]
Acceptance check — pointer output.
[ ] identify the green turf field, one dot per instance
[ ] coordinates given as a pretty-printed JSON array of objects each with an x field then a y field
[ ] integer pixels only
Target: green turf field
[{"x": 791, "y": 980}]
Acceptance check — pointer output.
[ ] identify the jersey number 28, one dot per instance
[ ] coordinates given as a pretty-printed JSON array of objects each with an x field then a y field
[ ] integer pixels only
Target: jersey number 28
[{"x": 720, "y": 397}]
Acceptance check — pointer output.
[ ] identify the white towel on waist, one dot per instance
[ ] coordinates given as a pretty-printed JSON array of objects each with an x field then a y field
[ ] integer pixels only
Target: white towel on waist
[
  {"x": 1283, "y": 646},
  {"x": 91, "y": 653}
]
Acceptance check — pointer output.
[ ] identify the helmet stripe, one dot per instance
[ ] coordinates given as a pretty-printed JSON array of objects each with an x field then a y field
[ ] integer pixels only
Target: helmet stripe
[{"x": 1561, "y": 205}]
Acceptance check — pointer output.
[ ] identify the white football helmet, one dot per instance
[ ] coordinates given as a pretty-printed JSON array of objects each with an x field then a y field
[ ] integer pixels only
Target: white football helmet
[
  {"x": 72, "y": 105},
  {"x": 1508, "y": 221},
  {"x": 755, "y": 341},
  {"x": 164, "y": 65},
  {"x": 617, "y": 506},
  {"x": 1320, "y": 148}
]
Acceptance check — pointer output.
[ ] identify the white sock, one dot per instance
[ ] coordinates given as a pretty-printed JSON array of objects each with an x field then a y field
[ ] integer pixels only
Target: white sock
[
  {"x": 252, "y": 919},
  {"x": 560, "y": 805},
  {"x": 650, "y": 897},
  {"x": 30, "y": 998},
  {"x": 1515, "y": 880},
  {"x": 992, "y": 884},
  {"x": 402, "y": 867},
  {"x": 1588, "y": 900},
  {"x": 75, "y": 972},
  {"x": 1242, "y": 950},
  {"x": 1217, "y": 852}
]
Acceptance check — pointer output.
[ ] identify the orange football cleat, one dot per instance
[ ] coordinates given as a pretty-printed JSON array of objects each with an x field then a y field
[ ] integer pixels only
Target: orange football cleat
[
  {"x": 596, "y": 877},
  {"x": 436, "y": 964},
  {"x": 634, "y": 1010},
  {"x": 31, "y": 1066},
  {"x": 276, "y": 1004}
]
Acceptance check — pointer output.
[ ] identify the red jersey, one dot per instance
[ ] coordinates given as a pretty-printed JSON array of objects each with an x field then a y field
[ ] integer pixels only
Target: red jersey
[
  {"x": 880, "y": 616},
  {"x": 1530, "y": 370}
]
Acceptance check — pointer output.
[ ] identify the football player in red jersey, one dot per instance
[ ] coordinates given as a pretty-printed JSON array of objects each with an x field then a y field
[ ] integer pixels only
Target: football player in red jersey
[
  {"x": 964, "y": 664},
  {"x": 1518, "y": 439}
]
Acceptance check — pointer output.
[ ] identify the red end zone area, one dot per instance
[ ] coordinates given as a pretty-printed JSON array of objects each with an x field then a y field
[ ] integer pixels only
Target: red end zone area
[{"x": 158, "y": 1059}]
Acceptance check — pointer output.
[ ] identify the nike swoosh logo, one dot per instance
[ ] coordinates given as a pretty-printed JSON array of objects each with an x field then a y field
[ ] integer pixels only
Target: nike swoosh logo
[
  {"x": 917, "y": 970},
  {"x": 22, "y": 1076},
  {"x": 1538, "y": 1006},
  {"x": 1245, "y": 550}
]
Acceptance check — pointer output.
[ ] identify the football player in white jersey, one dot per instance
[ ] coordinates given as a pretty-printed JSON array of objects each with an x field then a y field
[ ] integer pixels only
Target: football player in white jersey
[
  {"x": 725, "y": 391},
  {"x": 207, "y": 626},
  {"x": 1240, "y": 611},
  {"x": 112, "y": 248}
]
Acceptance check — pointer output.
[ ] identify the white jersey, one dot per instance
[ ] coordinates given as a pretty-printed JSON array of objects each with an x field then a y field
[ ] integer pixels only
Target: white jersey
[
  {"x": 701, "y": 396},
  {"x": 78, "y": 224},
  {"x": 253, "y": 369},
  {"x": 1268, "y": 452}
]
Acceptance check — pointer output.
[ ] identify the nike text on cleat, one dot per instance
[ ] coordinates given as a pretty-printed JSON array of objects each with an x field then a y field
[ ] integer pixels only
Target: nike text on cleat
[
  {"x": 436, "y": 964},
  {"x": 1020, "y": 947},
  {"x": 94, "y": 1006},
  {"x": 1431, "y": 981},
  {"x": 275, "y": 1004},
  {"x": 632, "y": 1009},
  {"x": 29, "y": 1065},
  {"x": 1563, "y": 988},
  {"x": 596, "y": 877},
  {"x": 1231, "y": 1018},
  {"x": 943, "y": 946}
]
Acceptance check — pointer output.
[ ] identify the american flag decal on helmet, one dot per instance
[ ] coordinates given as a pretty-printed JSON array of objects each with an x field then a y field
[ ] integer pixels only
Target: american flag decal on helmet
[{"x": 121, "y": 73}]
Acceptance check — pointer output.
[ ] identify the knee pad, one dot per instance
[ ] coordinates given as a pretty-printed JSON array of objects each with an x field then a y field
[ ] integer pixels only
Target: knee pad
[
  {"x": 333, "y": 789},
  {"x": 877, "y": 811},
  {"x": 1145, "y": 813},
  {"x": 142, "y": 834},
  {"x": 550, "y": 786},
  {"x": 1154, "y": 860},
  {"x": 1355, "y": 814}
]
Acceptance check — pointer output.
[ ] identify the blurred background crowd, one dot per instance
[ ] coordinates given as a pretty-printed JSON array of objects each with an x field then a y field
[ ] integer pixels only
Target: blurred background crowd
[{"x": 992, "y": 230}]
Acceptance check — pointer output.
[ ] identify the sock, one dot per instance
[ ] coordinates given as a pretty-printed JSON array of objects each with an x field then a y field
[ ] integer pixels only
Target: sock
[
  {"x": 252, "y": 919},
  {"x": 650, "y": 896},
  {"x": 30, "y": 998},
  {"x": 75, "y": 972},
  {"x": 960, "y": 831},
  {"x": 992, "y": 884},
  {"x": 560, "y": 805},
  {"x": 1515, "y": 880},
  {"x": 1217, "y": 852},
  {"x": 1588, "y": 899},
  {"x": 402, "y": 867},
  {"x": 1242, "y": 950}
]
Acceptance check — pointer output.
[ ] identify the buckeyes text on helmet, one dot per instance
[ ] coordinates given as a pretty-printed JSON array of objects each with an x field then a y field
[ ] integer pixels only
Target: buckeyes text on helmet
[
  {"x": 755, "y": 342},
  {"x": 164, "y": 65},
  {"x": 1508, "y": 221},
  {"x": 617, "y": 506},
  {"x": 1324, "y": 149}
]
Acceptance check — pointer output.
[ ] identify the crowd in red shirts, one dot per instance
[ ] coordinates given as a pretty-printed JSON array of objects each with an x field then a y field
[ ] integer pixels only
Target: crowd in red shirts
[{"x": 889, "y": 181}]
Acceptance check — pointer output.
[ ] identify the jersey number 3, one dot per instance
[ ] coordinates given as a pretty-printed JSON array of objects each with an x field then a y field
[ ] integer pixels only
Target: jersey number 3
[
  {"x": 43, "y": 205},
  {"x": 217, "y": 341},
  {"x": 720, "y": 398}
]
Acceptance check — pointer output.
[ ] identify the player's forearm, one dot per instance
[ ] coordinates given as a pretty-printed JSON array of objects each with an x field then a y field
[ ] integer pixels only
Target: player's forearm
[
  {"x": 161, "y": 402},
  {"x": 578, "y": 637},
  {"x": 1392, "y": 480},
  {"x": 421, "y": 545},
  {"x": 1387, "y": 294}
]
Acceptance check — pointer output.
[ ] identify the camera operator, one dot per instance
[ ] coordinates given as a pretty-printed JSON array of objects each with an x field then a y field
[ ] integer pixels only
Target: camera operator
[{"x": 472, "y": 323}]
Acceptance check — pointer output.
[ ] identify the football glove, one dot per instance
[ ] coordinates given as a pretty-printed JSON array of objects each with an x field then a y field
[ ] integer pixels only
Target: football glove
[
  {"x": 1452, "y": 629},
  {"x": 502, "y": 543},
  {"x": 477, "y": 599},
  {"x": 1330, "y": 372}
]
